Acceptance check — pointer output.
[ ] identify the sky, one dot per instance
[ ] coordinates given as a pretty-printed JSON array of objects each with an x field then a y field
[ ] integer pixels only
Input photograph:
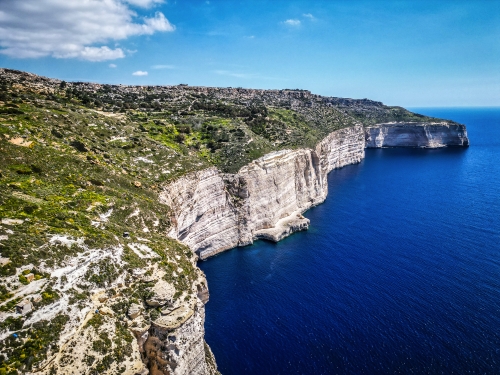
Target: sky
[{"x": 408, "y": 53}]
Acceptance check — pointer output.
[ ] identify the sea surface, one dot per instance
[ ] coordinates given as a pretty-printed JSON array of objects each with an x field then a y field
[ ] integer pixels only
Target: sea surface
[{"x": 399, "y": 272}]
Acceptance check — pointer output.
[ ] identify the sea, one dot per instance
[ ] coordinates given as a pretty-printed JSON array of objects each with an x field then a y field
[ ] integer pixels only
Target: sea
[{"x": 399, "y": 272}]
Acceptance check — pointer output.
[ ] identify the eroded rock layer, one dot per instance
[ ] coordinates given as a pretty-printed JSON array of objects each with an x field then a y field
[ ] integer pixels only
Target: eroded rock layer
[
  {"x": 175, "y": 344},
  {"x": 416, "y": 134},
  {"x": 213, "y": 212}
]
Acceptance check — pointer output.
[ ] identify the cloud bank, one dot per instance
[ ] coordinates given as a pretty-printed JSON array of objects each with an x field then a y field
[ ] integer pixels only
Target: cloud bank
[
  {"x": 73, "y": 28},
  {"x": 292, "y": 22}
]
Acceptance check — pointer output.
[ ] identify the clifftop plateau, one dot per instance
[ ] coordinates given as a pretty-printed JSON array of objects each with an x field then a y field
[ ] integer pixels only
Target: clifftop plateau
[{"x": 109, "y": 194}]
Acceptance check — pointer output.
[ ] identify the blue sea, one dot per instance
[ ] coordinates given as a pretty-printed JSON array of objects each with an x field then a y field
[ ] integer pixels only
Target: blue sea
[{"x": 399, "y": 272}]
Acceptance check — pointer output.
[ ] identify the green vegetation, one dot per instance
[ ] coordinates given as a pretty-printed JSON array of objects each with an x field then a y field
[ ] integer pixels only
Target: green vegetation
[
  {"x": 102, "y": 273},
  {"x": 12, "y": 324},
  {"x": 103, "y": 344},
  {"x": 4, "y": 293},
  {"x": 96, "y": 321},
  {"x": 49, "y": 296},
  {"x": 31, "y": 345},
  {"x": 9, "y": 306},
  {"x": 65, "y": 197},
  {"x": 184, "y": 128},
  {"x": 115, "y": 347},
  {"x": 78, "y": 297}
]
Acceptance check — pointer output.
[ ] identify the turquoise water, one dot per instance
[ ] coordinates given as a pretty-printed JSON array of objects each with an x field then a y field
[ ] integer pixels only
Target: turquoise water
[{"x": 399, "y": 272}]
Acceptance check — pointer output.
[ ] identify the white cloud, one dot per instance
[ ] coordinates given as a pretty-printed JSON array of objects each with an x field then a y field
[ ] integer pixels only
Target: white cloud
[
  {"x": 158, "y": 23},
  {"x": 113, "y": 65},
  {"x": 92, "y": 53},
  {"x": 144, "y": 3},
  {"x": 292, "y": 22},
  {"x": 140, "y": 73},
  {"x": 309, "y": 15},
  {"x": 163, "y": 67},
  {"x": 73, "y": 29}
]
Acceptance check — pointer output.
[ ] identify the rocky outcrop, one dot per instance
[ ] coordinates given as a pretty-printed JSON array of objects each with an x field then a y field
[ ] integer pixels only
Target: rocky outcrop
[
  {"x": 175, "y": 343},
  {"x": 213, "y": 212},
  {"x": 416, "y": 134}
]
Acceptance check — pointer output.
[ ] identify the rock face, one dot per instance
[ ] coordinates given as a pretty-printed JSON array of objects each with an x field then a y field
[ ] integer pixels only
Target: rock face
[
  {"x": 134, "y": 311},
  {"x": 416, "y": 134},
  {"x": 213, "y": 212},
  {"x": 176, "y": 345}
]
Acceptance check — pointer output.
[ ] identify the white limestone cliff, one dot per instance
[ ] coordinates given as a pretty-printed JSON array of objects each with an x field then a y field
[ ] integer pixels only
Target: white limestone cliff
[
  {"x": 176, "y": 344},
  {"x": 213, "y": 211},
  {"x": 416, "y": 134}
]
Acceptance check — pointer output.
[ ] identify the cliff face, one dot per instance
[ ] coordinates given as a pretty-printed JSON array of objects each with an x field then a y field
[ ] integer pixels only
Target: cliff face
[
  {"x": 175, "y": 344},
  {"x": 213, "y": 212},
  {"x": 416, "y": 134}
]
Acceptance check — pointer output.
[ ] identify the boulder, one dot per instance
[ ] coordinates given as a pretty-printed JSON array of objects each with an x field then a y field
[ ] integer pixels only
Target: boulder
[
  {"x": 134, "y": 311},
  {"x": 106, "y": 311},
  {"x": 163, "y": 294}
]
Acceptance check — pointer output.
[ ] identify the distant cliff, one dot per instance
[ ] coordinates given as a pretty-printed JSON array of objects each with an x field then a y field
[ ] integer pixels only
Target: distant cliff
[{"x": 416, "y": 134}]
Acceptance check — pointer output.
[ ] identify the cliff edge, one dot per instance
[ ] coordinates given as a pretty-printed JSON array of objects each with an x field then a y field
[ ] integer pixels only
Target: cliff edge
[
  {"x": 213, "y": 211},
  {"x": 416, "y": 134}
]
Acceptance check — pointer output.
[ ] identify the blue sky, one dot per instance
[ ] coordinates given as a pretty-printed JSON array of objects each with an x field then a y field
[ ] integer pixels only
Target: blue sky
[{"x": 409, "y": 53}]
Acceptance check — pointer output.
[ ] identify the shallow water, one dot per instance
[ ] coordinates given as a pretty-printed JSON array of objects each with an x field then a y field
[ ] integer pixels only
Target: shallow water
[{"x": 399, "y": 272}]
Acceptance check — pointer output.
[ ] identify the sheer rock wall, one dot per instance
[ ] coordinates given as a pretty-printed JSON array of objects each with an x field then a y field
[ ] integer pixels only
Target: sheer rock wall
[
  {"x": 213, "y": 211},
  {"x": 177, "y": 346},
  {"x": 416, "y": 134}
]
